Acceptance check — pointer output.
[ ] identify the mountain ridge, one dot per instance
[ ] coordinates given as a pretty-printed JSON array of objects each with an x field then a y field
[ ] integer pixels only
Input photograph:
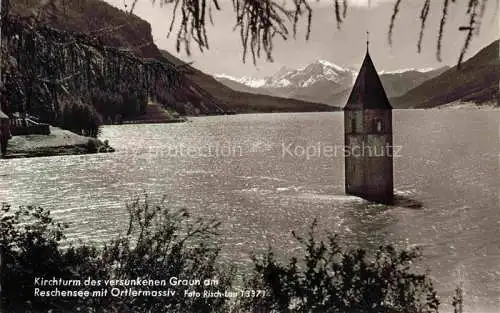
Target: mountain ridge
[
  {"x": 476, "y": 80},
  {"x": 243, "y": 102},
  {"x": 325, "y": 82}
]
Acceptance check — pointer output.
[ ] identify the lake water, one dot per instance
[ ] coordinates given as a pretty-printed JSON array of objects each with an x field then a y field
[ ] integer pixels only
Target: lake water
[{"x": 239, "y": 170}]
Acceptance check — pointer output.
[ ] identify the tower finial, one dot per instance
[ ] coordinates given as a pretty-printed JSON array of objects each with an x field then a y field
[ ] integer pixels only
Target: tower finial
[{"x": 367, "y": 40}]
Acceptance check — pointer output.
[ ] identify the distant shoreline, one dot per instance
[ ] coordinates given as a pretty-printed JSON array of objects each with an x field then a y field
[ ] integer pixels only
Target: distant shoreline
[
  {"x": 63, "y": 142},
  {"x": 459, "y": 105},
  {"x": 152, "y": 121}
]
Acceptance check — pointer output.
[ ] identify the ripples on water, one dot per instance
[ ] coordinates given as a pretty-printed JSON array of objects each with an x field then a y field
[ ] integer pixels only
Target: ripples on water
[{"x": 449, "y": 163}]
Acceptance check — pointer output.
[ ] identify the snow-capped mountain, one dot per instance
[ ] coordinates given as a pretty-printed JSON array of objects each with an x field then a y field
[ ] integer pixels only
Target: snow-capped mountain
[
  {"x": 245, "y": 80},
  {"x": 322, "y": 81},
  {"x": 404, "y": 70},
  {"x": 314, "y": 73},
  {"x": 318, "y": 71}
]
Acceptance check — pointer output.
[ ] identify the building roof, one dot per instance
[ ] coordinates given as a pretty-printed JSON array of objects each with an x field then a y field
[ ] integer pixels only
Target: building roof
[
  {"x": 3, "y": 116},
  {"x": 368, "y": 92}
]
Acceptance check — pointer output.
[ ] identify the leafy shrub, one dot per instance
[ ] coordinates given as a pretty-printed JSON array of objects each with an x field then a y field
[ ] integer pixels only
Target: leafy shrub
[
  {"x": 158, "y": 245},
  {"x": 81, "y": 119},
  {"x": 331, "y": 279},
  {"x": 458, "y": 300},
  {"x": 92, "y": 146},
  {"x": 30, "y": 247}
]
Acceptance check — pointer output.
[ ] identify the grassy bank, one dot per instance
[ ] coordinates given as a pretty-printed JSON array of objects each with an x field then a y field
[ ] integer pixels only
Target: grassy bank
[{"x": 59, "y": 142}]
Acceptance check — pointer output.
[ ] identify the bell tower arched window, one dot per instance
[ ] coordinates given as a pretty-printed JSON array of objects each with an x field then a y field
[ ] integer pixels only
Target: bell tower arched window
[{"x": 379, "y": 127}]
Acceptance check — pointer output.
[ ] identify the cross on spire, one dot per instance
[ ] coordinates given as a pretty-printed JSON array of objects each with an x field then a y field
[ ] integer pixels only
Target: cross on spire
[{"x": 367, "y": 40}]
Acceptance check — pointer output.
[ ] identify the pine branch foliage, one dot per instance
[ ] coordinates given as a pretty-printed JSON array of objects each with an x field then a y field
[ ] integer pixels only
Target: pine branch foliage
[{"x": 259, "y": 22}]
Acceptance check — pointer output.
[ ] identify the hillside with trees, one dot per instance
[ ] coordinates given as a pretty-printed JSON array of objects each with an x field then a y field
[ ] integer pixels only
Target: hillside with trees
[
  {"x": 196, "y": 93},
  {"x": 476, "y": 80}
]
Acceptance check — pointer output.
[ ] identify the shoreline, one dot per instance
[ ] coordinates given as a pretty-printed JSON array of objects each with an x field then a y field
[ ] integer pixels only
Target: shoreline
[
  {"x": 53, "y": 151},
  {"x": 152, "y": 121},
  {"x": 59, "y": 142},
  {"x": 63, "y": 142}
]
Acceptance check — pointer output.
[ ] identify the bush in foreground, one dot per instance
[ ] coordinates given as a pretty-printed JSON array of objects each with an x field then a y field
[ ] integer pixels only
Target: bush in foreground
[
  {"x": 160, "y": 244},
  {"x": 330, "y": 279}
]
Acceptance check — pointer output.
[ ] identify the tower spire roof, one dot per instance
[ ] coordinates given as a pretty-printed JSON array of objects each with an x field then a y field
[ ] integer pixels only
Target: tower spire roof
[{"x": 368, "y": 91}]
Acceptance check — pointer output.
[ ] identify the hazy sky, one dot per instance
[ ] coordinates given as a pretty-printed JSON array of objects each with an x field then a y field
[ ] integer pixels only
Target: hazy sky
[{"x": 345, "y": 47}]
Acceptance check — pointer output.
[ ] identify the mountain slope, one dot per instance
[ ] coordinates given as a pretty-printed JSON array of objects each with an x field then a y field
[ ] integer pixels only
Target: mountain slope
[
  {"x": 113, "y": 26},
  {"x": 242, "y": 102},
  {"x": 120, "y": 29},
  {"x": 477, "y": 80},
  {"x": 398, "y": 83}
]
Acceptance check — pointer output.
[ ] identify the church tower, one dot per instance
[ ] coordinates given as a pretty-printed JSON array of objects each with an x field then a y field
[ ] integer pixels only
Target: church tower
[{"x": 368, "y": 138}]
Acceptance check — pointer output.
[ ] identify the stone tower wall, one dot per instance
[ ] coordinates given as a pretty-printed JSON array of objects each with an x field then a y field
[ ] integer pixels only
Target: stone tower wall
[{"x": 369, "y": 160}]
